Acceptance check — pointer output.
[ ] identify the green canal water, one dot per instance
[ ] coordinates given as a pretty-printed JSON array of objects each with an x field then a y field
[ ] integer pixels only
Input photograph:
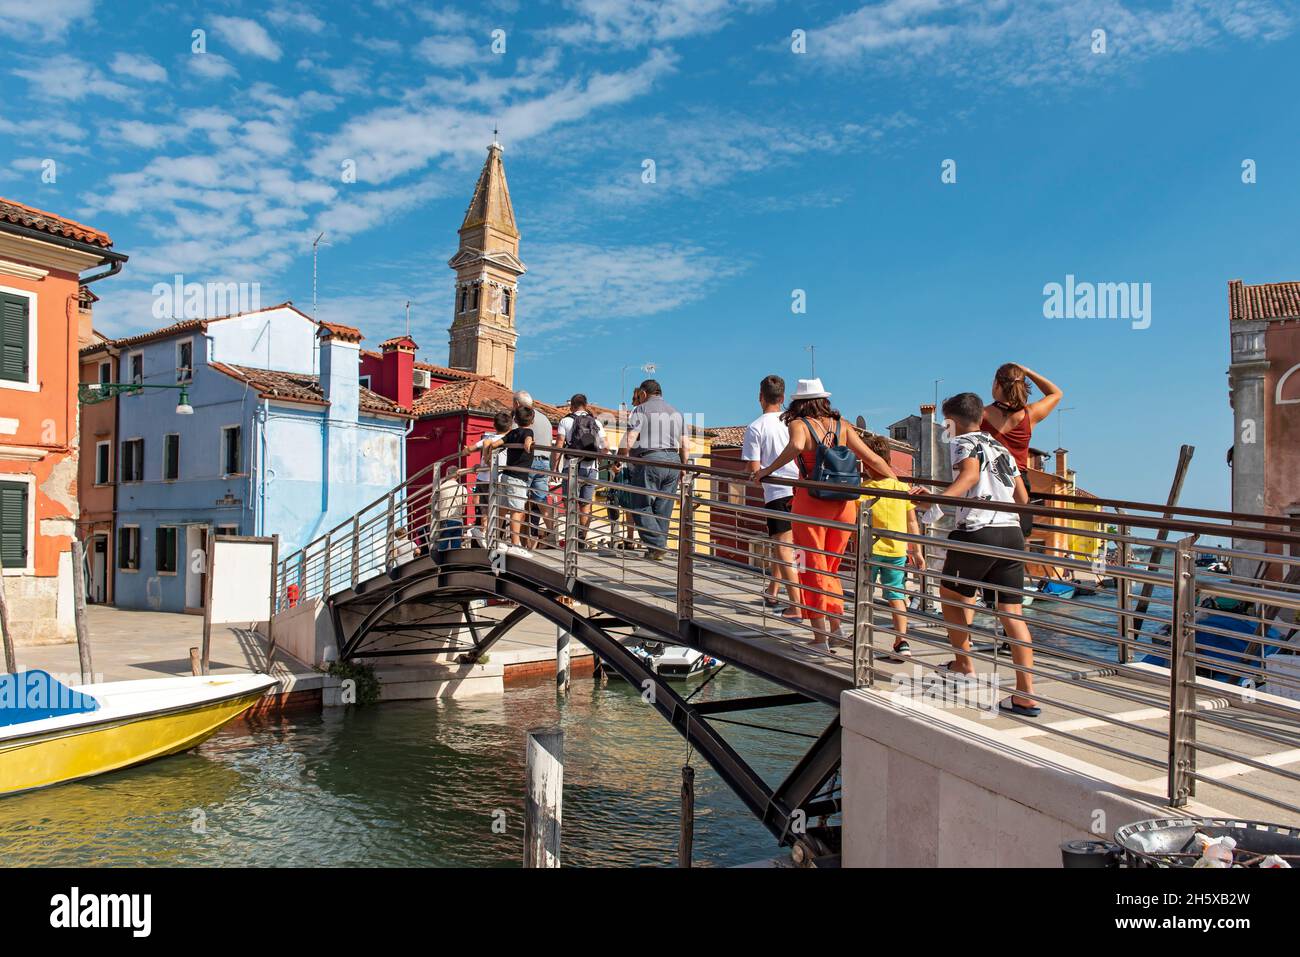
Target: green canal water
[{"x": 415, "y": 784}]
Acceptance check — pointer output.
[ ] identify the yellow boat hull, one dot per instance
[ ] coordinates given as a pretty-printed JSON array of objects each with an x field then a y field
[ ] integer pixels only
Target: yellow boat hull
[{"x": 56, "y": 757}]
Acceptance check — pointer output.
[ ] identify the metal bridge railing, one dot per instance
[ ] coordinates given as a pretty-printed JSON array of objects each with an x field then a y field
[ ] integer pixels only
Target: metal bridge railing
[{"x": 1134, "y": 659}]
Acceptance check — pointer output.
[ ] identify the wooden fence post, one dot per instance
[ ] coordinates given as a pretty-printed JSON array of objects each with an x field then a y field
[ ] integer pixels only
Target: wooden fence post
[{"x": 79, "y": 611}]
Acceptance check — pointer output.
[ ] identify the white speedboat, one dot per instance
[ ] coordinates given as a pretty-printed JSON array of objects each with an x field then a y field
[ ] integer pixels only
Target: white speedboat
[
  {"x": 51, "y": 732},
  {"x": 673, "y": 661}
]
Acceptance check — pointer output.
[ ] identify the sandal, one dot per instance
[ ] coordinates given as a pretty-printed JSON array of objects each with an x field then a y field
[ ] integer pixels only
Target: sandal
[
  {"x": 904, "y": 649},
  {"x": 1009, "y": 706}
]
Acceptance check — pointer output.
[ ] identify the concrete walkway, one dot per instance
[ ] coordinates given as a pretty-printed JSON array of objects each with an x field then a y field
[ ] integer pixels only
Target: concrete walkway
[{"x": 127, "y": 645}]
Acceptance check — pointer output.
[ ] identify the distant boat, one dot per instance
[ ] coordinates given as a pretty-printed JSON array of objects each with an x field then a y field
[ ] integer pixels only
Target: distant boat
[
  {"x": 1056, "y": 589},
  {"x": 52, "y": 733}
]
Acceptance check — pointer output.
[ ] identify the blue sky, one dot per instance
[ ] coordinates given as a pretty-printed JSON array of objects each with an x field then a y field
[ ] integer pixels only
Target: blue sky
[{"x": 775, "y": 171}]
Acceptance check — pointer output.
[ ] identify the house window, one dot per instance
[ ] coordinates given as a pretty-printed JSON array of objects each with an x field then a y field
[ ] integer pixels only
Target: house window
[
  {"x": 227, "y": 529},
  {"x": 365, "y": 381},
  {"x": 13, "y": 524},
  {"x": 132, "y": 459},
  {"x": 231, "y": 450},
  {"x": 128, "y": 548},
  {"x": 106, "y": 372},
  {"x": 171, "y": 457},
  {"x": 17, "y": 338},
  {"x": 185, "y": 361},
  {"x": 164, "y": 550},
  {"x": 103, "y": 467},
  {"x": 464, "y": 298},
  {"x": 135, "y": 363},
  {"x": 506, "y": 296}
]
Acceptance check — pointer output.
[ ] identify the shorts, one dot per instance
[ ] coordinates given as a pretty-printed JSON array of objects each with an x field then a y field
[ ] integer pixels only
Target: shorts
[
  {"x": 513, "y": 490},
  {"x": 891, "y": 572},
  {"x": 539, "y": 486},
  {"x": 776, "y": 525},
  {"x": 587, "y": 483},
  {"x": 998, "y": 572}
]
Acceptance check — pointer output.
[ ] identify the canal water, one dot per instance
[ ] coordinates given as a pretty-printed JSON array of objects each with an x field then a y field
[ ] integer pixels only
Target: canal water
[{"x": 425, "y": 783}]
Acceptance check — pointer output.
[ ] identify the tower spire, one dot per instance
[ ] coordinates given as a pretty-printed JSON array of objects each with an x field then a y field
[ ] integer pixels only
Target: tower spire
[{"x": 487, "y": 265}]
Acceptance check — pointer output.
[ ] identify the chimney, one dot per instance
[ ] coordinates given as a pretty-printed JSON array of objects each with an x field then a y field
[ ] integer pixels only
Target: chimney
[
  {"x": 398, "y": 365},
  {"x": 340, "y": 370},
  {"x": 1062, "y": 463}
]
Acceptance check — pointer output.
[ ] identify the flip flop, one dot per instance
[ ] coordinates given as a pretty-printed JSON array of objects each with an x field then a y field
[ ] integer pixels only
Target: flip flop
[{"x": 1008, "y": 706}]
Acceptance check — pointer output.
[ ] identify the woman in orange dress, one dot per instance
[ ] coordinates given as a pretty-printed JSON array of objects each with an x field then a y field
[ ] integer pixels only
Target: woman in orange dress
[{"x": 812, "y": 421}]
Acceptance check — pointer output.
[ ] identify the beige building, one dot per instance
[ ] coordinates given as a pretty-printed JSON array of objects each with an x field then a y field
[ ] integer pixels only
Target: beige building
[{"x": 483, "y": 329}]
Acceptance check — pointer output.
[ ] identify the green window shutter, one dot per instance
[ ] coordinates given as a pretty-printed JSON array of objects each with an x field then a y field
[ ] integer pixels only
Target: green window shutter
[
  {"x": 13, "y": 524},
  {"x": 14, "y": 347},
  {"x": 172, "y": 457}
]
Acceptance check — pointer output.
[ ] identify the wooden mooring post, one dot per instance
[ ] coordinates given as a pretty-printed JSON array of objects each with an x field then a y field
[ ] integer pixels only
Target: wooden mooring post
[
  {"x": 210, "y": 562},
  {"x": 79, "y": 611},
  {"x": 544, "y": 764},
  {"x": 686, "y": 835},
  {"x": 563, "y": 675},
  {"x": 1158, "y": 551},
  {"x": 11, "y": 662}
]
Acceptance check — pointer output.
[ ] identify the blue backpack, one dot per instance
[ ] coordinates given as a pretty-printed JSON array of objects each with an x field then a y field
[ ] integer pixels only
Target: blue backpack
[{"x": 833, "y": 464}]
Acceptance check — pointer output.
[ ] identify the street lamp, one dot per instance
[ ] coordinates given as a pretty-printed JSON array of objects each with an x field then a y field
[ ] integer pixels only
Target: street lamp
[{"x": 89, "y": 393}]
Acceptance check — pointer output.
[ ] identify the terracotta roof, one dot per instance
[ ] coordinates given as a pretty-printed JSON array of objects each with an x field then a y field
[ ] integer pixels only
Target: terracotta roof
[
  {"x": 33, "y": 218},
  {"x": 195, "y": 325},
  {"x": 300, "y": 387},
  {"x": 481, "y": 395},
  {"x": 336, "y": 330},
  {"x": 1272, "y": 300}
]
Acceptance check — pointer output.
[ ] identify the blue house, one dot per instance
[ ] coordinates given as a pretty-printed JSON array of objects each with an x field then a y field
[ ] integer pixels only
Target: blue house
[{"x": 283, "y": 440}]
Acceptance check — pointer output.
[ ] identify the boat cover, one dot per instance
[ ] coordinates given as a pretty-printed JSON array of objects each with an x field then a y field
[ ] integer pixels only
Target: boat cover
[
  {"x": 1239, "y": 653},
  {"x": 34, "y": 695}
]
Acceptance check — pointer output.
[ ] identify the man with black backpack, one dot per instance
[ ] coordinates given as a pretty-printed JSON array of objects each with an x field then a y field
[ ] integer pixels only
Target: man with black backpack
[{"x": 582, "y": 432}]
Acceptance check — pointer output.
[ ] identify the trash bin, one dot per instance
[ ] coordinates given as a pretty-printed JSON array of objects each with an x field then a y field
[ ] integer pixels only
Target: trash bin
[
  {"x": 1090, "y": 854},
  {"x": 1168, "y": 842}
]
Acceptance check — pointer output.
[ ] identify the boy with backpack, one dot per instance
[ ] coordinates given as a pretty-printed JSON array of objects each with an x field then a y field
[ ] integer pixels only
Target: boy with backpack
[{"x": 582, "y": 432}]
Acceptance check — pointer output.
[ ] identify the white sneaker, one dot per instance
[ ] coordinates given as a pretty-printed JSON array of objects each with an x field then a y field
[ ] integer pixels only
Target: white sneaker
[{"x": 519, "y": 551}]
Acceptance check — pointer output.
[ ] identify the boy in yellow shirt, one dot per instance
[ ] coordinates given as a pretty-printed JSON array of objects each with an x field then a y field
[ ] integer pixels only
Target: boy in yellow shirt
[{"x": 889, "y": 556}]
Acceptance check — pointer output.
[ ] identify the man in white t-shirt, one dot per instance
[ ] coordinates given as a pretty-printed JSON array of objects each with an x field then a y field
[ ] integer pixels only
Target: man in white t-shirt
[
  {"x": 984, "y": 471},
  {"x": 765, "y": 439},
  {"x": 581, "y": 431}
]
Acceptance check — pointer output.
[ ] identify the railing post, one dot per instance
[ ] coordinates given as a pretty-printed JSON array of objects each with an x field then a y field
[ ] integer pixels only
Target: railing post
[
  {"x": 1123, "y": 587},
  {"x": 864, "y": 651},
  {"x": 327, "y": 584},
  {"x": 356, "y": 549},
  {"x": 492, "y": 532},
  {"x": 571, "y": 509},
  {"x": 685, "y": 548},
  {"x": 1182, "y": 677},
  {"x": 390, "y": 529},
  {"x": 302, "y": 573}
]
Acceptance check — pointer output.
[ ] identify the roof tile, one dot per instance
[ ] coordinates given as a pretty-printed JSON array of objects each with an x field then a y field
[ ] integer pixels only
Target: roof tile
[{"x": 29, "y": 216}]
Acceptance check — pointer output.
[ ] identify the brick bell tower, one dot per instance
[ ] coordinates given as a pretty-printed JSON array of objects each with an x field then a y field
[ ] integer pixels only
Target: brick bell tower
[{"x": 483, "y": 333}]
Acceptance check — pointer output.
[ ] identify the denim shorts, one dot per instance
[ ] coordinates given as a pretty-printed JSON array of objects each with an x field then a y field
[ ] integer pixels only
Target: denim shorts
[
  {"x": 514, "y": 492},
  {"x": 539, "y": 485}
]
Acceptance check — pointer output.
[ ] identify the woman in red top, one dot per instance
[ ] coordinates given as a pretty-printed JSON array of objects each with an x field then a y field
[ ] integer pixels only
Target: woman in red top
[
  {"x": 812, "y": 421},
  {"x": 1011, "y": 417}
]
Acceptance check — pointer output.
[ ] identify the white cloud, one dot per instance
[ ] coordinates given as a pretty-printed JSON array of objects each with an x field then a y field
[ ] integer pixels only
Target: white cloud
[
  {"x": 615, "y": 282},
  {"x": 48, "y": 19},
  {"x": 450, "y": 52},
  {"x": 138, "y": 67},
  {"x": 65, "y": 77},
  {"x": 211, "y": 66},
  {"x": 1034, "y": 41},
  {"x": 631, "y": 23},
  {"x": 248, "y": 36},
  {"x": 295, "y": 16}
]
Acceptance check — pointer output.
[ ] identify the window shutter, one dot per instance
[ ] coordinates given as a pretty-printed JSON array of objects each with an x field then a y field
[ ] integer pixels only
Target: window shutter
[
  {"x": 13, "y": 524},
  {"x": 13, "y": 337}
]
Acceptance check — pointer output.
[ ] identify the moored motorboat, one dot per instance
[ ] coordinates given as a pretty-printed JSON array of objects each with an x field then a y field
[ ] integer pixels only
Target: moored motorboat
[
  {"x": 52, "y": 733},
  {"x": 674, "y": 661},
  {"x": 1055, "y": 588}
]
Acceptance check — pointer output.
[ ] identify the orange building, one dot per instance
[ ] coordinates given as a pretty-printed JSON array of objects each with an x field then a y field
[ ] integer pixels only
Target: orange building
[{"x": 45, "y": 319}]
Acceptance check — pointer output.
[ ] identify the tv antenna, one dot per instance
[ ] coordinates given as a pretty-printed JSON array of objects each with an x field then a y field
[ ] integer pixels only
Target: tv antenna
[{"x": 316, "y": 243}]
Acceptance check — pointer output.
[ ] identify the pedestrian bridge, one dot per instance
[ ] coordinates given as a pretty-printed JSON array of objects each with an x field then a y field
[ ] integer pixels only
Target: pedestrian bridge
[{"x": 404, "y": 577}]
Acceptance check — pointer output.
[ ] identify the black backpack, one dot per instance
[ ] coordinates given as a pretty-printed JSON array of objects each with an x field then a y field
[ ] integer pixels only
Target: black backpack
[
  {"x": 585, "y": 434},
  {"x": 833, "y": 464}
]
